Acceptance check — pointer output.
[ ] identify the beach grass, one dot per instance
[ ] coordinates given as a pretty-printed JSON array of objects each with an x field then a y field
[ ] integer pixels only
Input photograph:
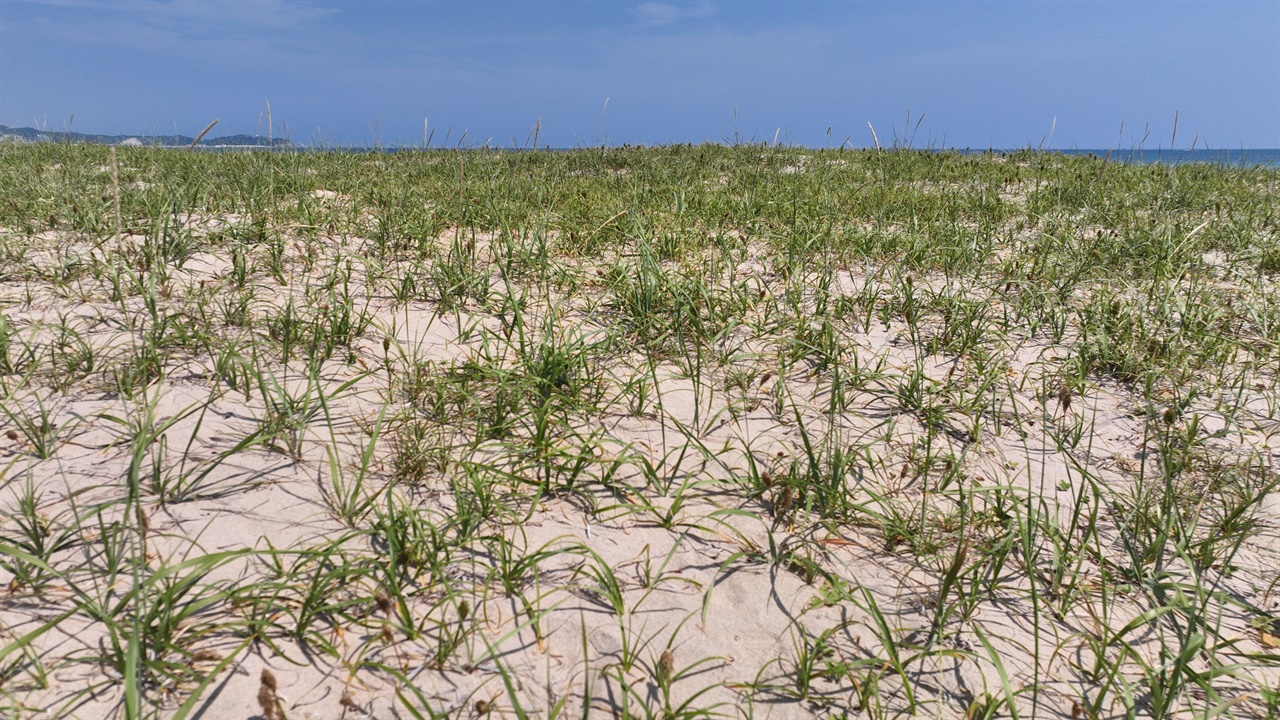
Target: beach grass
[{"x": 658, "y": 432}]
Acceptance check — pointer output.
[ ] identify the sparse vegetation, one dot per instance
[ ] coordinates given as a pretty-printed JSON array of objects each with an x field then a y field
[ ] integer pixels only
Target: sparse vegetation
[{"x": 676, "y": 432}]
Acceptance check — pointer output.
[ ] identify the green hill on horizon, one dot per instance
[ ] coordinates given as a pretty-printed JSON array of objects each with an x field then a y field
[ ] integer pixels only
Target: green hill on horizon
[{"x": 33, "y": 135}]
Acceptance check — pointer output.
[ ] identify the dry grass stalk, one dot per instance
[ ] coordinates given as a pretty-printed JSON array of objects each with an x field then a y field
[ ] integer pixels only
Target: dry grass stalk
[
  {"x": 115, "y": 192},
  {"x": 203, "y": 132}
]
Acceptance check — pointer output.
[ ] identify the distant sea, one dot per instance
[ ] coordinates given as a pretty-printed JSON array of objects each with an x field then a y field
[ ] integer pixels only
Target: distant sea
[{"x": 1265, "y": 157}]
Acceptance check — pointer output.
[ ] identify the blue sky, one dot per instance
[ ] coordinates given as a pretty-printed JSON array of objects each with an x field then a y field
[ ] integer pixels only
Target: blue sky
[{"x": 981, "y": 74}]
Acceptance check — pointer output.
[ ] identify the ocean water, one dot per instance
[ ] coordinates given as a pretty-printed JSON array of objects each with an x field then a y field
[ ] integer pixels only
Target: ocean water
[{"x": 1268, "y": 157}]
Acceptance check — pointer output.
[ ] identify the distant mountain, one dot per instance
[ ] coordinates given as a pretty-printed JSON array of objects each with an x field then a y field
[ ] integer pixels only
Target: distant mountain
[{"x": 32, "y": 135}]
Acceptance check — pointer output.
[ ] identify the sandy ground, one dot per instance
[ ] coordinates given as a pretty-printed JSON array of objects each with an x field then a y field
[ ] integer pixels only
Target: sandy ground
[{"x": 740, "y": 589}]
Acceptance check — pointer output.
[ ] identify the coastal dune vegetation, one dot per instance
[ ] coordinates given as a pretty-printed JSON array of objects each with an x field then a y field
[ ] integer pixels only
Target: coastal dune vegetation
[{"x": 660, "y": 432}]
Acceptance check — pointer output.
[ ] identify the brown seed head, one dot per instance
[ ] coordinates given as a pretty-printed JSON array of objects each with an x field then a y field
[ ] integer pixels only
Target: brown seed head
[
  {"x": 784, "y": 503},
  {"x": 382, "y": 602},
  {"x": 12, "y": 435},
  {"x": 666, "y": 666},
  {"x": 267, "y": 699},
  {"x": 482, "y": 707},
  {"x": 206, "y": 656}
]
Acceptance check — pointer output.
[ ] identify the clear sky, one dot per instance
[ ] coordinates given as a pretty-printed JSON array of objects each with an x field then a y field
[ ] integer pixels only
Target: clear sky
[{"x": 980, "y": 74}]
